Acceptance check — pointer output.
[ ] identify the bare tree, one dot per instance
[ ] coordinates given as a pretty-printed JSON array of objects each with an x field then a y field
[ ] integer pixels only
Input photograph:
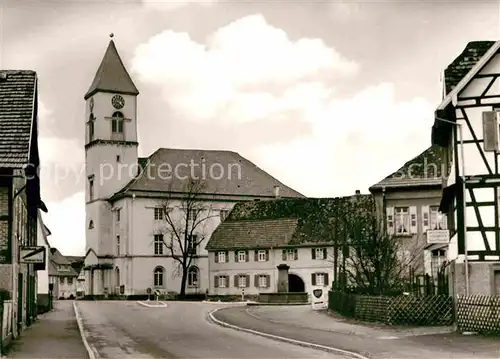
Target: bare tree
[
  {"x": 184, "y": 230},
  {"x": 373, "y": 261}
]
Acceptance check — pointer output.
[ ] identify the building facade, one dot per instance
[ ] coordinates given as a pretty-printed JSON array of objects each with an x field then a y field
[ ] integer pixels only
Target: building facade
[
  {"x": 127, "y": 247},
  {"x": 62, "y": 276},
  {"x": 19, "y": 192},
  {"x": 467, "y": 128},
  {"x": 43, "y": 290}
]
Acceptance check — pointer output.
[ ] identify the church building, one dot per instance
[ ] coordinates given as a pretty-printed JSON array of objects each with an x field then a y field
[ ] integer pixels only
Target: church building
[{"x": 128, "y": 197}]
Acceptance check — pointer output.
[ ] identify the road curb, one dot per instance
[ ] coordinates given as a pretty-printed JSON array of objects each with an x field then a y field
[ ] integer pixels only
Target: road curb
[
  {"x": 158, "y": 305},
  {"x": 91, "y": 351},
  {"x": 214, "y": 320}
]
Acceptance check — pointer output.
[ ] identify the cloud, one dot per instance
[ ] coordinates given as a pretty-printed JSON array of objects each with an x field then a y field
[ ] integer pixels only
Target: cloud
[
  {"x": 66, "y": 221},
  {"x": 354, "y": 143},
  {"x": 246, "y": 71}
]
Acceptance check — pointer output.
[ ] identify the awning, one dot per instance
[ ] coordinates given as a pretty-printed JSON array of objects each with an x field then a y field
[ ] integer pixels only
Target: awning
[{"x": 447, "y": 198}]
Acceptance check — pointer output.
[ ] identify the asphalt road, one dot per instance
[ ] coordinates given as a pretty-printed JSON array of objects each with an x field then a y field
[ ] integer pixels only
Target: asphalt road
[
  {"x": 128, "y": 330},
  {"x": 296, "y": 323}
]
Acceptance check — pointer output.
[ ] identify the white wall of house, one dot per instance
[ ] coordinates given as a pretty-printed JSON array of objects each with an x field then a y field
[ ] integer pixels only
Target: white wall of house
[
  {"x": 302, "y": 265},
  {"x": 43, "y": 275},
  {"x": 63, "y": 286}
]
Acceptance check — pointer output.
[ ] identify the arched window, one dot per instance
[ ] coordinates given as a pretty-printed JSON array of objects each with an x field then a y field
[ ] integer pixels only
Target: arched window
[
  {"x": 91, "y": 224},
  {"x": 193, "y": 274},
  {"x": 159, "y": 273},
  {"x": 117, "y": 122}
]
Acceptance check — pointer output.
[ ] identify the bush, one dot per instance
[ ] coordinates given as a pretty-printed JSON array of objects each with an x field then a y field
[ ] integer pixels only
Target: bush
[
  {"x": 71, "y": 296},
  {"x": 61, "y": 298}
]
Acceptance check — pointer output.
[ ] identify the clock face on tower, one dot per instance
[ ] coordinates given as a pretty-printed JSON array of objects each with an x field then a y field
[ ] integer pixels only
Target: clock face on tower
[{"x": 118, "y": 102}]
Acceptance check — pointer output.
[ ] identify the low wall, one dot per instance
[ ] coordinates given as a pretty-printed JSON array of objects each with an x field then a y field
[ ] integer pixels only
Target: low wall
[{"x": 284, "y": 298}]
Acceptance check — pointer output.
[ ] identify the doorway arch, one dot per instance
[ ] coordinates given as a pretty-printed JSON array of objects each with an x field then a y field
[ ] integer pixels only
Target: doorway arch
[{"x": 296, "y": 284}]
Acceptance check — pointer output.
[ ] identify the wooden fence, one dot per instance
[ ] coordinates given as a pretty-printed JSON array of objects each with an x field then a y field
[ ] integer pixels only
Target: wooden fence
[
  {"x": 479, "y": 314},
  {"x": 429, "y": 310}
]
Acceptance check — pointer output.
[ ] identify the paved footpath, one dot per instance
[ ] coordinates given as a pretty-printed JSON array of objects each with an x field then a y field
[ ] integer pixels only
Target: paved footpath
[
  {"x": 304, "y": 324},
  {"x": 54, "y": 335}
]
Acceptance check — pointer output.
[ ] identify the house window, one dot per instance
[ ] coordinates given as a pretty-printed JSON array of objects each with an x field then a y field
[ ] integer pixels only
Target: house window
[
  {"x": 117, "y": 158},
  {"x": 438, "y": 259},
  {"x": 242, "y": 256},
  {"x": 70, "y": 281},
  {"x": 319, "y": 253},
  {"x": 438, "y": 219},
  {"x": 402, "y": 220},
  {"x": 117, "y": 245},
  {"x": 222, "y": 281},
  {"x": 221, "y": 256},
  {"x": 223, "y": 214},
  {"x": 158, "y": 213},
  {"x": 117, "y": 122},
  {"x": 158, "y": 276},
  {"x": 262, "y": 255},
  {"x": 290, "y": 254},
  {"x": 91, "y": 188},
  {"x": 193, "y": 276},
  {"x": 61, "y": 280},
  {"x": 191, "y": 244},
  {"x": 263, "y": 281},
  {"x": 320, "y": 279},
  {"x": 118, "y": 212},
  {"x": 158, "y": 244},
  {"x": 242, "y": 281}
]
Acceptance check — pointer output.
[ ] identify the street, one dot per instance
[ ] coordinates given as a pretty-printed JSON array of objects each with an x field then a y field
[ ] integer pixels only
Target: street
[{"x": 126, "y": 329}]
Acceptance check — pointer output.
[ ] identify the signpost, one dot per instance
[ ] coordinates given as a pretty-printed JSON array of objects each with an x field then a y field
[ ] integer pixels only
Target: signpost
[
  {"x": 318, "y": 300},
  {"x": 149, "y": 292},
  {"x": 438, "y": 236},
  {"x": 33, "y": 255},
  {"x": 157, "y": 294}
]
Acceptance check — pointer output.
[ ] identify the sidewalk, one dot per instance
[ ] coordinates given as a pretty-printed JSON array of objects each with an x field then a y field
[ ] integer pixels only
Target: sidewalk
[{"x": 54, "y": 335}]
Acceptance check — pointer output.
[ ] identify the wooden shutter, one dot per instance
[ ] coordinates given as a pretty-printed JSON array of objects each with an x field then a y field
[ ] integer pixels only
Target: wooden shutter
[
  {"x": 444, "y": 221},
  {"x": 390, "y": 220},
  {"x": 256, "y": 280},
  {"x": 267, "y": 255},
  {"x": 216, "y": 281},
  {"x": 313, "y": 253},
  {"x": 425, "y": 218},
  {"x": 413, "y": 220},
  {"x": 284, "y": 255},
  {"x": 236, "y": 281},
  {"x": 268, "y": 281},
  {"x": 236, "y": 256},
  {"x": 248, "y": 281},
  {"x": 247, "y": 256},
  {"x": 296, "y": 254},
  {"x": 313, "y": 278},
  {"x": 216, "y": 257},
  {"x": 256, "y": 255},
  {"x": 325, "y": 253},
  {"x": 326, "y": 279}
]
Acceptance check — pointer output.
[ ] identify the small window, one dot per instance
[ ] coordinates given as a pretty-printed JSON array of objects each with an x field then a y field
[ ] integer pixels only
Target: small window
[
  {"x": 290, "y": 254},
  {"x": 222, "y": 257},
  {"x": 158, "y": 214},
  {"x": 118, "y": 211},
  {"x": 242, "y": 281},
  {"x": 117, "y": 158},
  {"x": 117, "y": 245},
  {"x": 320, "y": 253},
  {"x": 70, "y": 280},
  {"x": 91, "y": 224},
  {"x": 158, "y": 244},
  {"x": 262, "y": 256},
  {"x": 242, "y": 256},
  {"x": 91, "y": 188}
]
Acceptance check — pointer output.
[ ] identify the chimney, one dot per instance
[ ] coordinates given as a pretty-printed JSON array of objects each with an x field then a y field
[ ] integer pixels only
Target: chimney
[
  {"x": 277, "y": 191},
  {"x": 358, "y": 192}
]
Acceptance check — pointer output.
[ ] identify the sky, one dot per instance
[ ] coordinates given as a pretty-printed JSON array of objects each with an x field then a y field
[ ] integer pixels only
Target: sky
[{"x": 328, "y": 97}]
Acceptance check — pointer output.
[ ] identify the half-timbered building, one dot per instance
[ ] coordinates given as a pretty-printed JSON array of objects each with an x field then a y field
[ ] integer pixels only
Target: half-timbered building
[{"x": 467, "y": 127}]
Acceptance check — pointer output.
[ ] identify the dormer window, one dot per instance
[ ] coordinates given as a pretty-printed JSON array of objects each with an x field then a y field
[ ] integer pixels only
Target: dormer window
[{"x": 117, "y": 122}]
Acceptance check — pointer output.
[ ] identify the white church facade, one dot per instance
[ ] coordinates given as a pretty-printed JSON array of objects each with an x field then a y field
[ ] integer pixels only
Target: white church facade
[{"x": 126, "y": 252}]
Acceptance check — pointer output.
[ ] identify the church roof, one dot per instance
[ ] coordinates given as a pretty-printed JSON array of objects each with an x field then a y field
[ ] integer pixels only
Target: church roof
[
  {"x": 238, "y": 176},
  {"x": 111, "y": 76}
]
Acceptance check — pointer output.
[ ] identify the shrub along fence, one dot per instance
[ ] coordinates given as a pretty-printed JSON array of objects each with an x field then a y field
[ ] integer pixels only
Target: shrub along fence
[
  {"x": 479, "y": 313},
  {"x": 429, "y": 310}
]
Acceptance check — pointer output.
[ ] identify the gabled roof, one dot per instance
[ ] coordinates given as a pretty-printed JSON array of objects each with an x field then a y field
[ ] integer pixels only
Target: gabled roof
[
  {"x": 17, "y": 108},
  {"x": 57, "y": 257},
  {"x": 59, "y": 265},
  {"x": 281, "y": 222},
  {"x": 426, "y": 169},
  {"x": 240, "y": 176},
  {"x": 111, "y": 76}
]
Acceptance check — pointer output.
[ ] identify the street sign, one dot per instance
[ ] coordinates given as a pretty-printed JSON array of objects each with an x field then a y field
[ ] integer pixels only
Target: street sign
[
  {"x": 441, "y": 236},
  {"x": 318, "y": 293},
  {"x": 157, "y": 292},
  {"x": 33, "y": 255}
]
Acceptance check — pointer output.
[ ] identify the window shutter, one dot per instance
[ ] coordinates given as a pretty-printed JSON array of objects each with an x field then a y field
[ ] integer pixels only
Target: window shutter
[
  {"x": 216, "y": 281},
  {"x": 248, "y": 281},
  {"x": 425, "y": 218},
  {"x": 226, "y": 281},
  {"x": 256, "y": 255},
  {"x": 227, "y": 256},
  {"x": 236, "y": 281},
  {"x": 390, "y": 220},
  {"x": 296, "y": 254},
  {"x": 267, "y": 255},
  {"x": 444, "y": 221},
  {"x": 268, "y": 281},
  {"x": 284, "y": 254},
  {"x": 313, "y": 253},
  {"x": 326, "y": 279},
  {"x": 247, "y": 256},
  {"x": 236, "y": 256},
  {"x": 313, "y": 278},
  {"x": 413, "y": 220},
  {"x": 216, "y": 257},
  {"x": 325, "y": 253},
  {"x": 256, "y": 280}
]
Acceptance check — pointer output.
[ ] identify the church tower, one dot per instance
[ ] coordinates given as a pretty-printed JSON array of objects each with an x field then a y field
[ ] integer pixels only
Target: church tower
[{"x": 111, "y": 145}]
